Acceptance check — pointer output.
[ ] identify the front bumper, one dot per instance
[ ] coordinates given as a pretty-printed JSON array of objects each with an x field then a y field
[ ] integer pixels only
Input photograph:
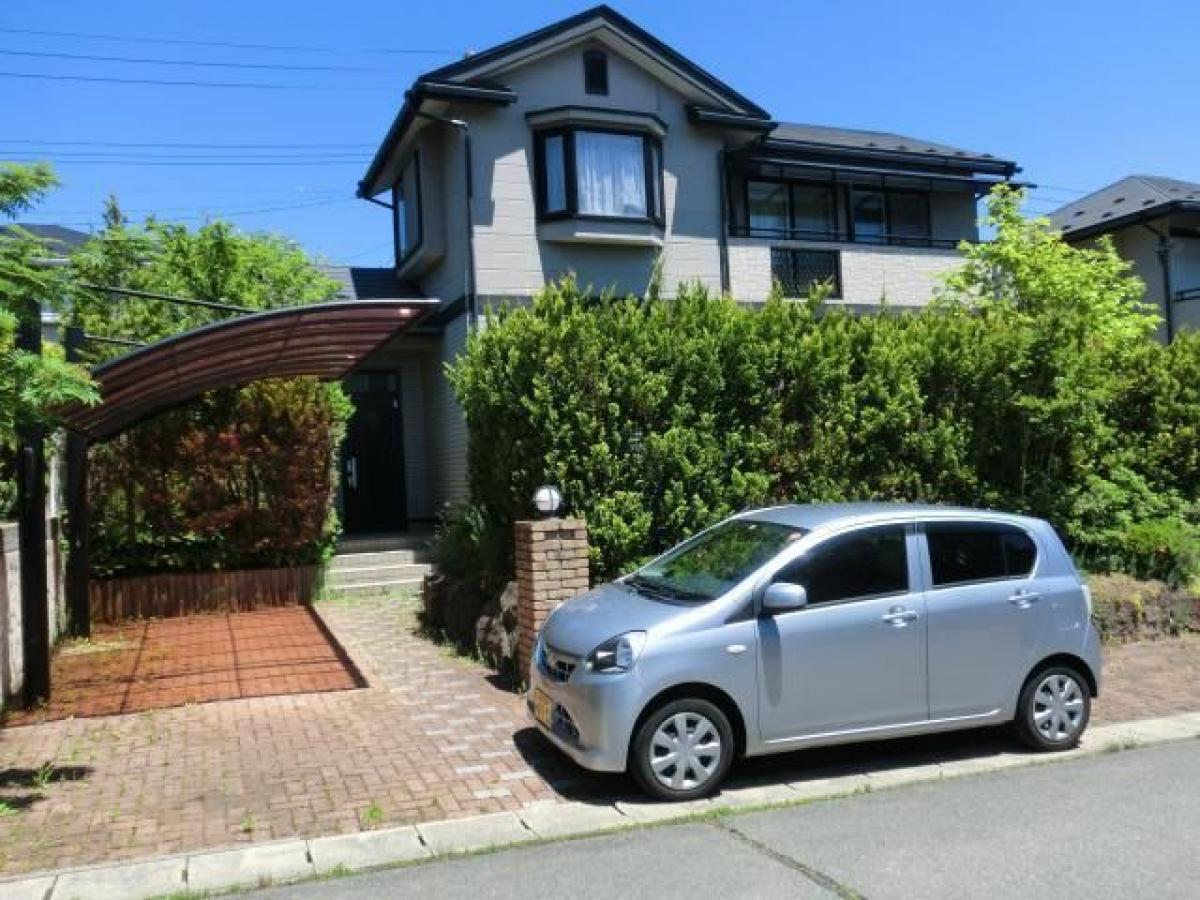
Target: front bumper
[{"x": 592, "y": 717}]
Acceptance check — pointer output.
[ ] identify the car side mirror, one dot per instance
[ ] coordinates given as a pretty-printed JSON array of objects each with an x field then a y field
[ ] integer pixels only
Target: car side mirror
[{"x": 784, "y": 597}]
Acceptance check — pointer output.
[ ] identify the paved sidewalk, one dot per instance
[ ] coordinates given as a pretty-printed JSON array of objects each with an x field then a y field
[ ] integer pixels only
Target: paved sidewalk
[
  {"x": 790, "y": 852},
  {"x": 432, "y": 737}
]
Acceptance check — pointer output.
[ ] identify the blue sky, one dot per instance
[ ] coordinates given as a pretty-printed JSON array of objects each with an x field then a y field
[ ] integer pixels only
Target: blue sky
[{"x": 1079, "y": 93}]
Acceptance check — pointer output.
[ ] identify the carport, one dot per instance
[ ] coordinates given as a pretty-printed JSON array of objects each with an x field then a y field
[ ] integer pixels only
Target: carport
[{"x": 325, "y": 340}]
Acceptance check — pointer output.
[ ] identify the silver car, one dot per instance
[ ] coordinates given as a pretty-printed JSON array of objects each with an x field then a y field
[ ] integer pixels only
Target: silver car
[{"x": 801, "y": 626}]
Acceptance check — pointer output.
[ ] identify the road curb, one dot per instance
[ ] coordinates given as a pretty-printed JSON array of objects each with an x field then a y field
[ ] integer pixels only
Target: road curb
[{"x": 217, "y": 870}]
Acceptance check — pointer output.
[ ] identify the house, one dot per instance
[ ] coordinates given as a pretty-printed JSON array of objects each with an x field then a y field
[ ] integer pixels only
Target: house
[
  {"x": 591, "y": 147},
  {"x": 1154, "y": 223},
  {"x": 60, "y": 242}
]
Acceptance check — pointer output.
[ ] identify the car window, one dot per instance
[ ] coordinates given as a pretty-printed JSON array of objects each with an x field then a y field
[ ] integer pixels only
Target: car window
[
  {"x": 867, "y": 563},
  {"x": 962, "y": 552},
  {"x": 713, "y": 562}
]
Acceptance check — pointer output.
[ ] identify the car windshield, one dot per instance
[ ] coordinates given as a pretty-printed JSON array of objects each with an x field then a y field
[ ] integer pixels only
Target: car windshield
[{"x": 711, "y": 563}]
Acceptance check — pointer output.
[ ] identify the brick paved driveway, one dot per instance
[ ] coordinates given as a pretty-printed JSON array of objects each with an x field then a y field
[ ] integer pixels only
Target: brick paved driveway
[
  {"x": 160, "y": 663},
  {"x": 431, "y": 737}
]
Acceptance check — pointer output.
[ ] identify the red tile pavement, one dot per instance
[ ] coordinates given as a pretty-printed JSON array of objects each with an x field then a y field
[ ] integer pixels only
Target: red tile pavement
[
  {"x": 159, "y": 663},
  {"x": 432, "y": 736}
]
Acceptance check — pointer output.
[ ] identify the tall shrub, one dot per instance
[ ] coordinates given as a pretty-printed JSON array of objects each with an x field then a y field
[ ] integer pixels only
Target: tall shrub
[{"x": 1030, "y": 384}]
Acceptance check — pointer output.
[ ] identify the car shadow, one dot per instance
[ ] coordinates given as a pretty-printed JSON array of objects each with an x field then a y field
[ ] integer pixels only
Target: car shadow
[{"x": 572, "y": 782}]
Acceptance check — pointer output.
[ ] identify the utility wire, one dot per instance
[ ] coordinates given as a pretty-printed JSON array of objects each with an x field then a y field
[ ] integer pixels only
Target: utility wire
[
  {"x": 258, "y": 161},
  {"x": 46, "y": 54},
  {"x": 138, "y": 156},
  {"x": 203, "y": 84},
  {"x": 138, "y": 144},
  {"x": 141, "y": 39}
]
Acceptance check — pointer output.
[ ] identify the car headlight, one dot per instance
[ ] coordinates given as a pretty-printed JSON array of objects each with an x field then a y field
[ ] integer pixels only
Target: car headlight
[{"x": 617, "y": 654}]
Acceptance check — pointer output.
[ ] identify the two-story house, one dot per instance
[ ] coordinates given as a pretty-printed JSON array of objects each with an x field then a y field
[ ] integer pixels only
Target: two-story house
[
  {"x": 591, "y": 147},
  {"x": 1154, "y": 223}
]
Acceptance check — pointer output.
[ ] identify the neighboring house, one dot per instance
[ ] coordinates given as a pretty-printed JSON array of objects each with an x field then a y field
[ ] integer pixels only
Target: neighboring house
[
  {"x": 1155, "y": 225},
  {"x": 60, "y": 243},
  {"x": 590, "y": 147}
]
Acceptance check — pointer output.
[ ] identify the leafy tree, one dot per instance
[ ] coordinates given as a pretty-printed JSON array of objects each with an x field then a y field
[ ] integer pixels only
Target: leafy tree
[
  {"x": 241, "y": 476},
  {"x": 31, "y": 385}
]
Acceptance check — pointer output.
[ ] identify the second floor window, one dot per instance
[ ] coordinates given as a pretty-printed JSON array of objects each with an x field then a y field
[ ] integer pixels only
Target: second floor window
[
  {"x": 406, "y": 209},
  {"x": 791, "y": 209},
  {"x": 891, "y": 217},
  {"x": 599, "y": 174}
]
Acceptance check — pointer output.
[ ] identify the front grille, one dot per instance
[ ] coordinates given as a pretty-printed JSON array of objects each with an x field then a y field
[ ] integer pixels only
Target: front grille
[
  {"x": 557, "y": 665},
  {"x": 563, "y": 725}
]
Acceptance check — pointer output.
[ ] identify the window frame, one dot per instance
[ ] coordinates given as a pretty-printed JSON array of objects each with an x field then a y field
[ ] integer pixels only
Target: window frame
[
  {"x": 911, "y": 585},
  {"x": 403, "y": 255},
  {"x": 837, "y": 293},
  {"x": 1001, "y": 528},
  {"x": 591, "y": 58},
  {"x": 655, "y": 193},
  {"x": 791, "y": 232},
  {"x": 889, "y": 238}
]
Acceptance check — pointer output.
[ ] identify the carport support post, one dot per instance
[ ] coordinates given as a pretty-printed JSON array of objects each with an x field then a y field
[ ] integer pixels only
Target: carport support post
[
  {"x": 78, "y": 514},
  {"x": 552, "y": 566},
  {"x": 31, "y": 514}
]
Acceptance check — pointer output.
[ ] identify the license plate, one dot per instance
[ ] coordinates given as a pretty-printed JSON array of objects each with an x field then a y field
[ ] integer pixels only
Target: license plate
[{"x": 543, "y": 706}]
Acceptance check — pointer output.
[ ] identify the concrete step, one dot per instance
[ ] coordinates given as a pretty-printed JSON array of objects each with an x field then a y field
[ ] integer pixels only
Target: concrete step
[
  {"x": 377, "y": 558},
  {"x": 409, "y": 540},
  {"x": 375, "y": 588},
  {"x": 340, "y": 577}
]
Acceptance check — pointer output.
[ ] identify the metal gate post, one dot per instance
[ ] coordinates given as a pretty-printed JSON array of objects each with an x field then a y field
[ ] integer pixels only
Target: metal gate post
[
  {"x": 31, "y": 506},
  {"x": 78, "y": 514}
]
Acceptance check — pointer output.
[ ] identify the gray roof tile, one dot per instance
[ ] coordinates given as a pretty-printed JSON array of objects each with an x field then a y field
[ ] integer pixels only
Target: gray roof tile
[
  {"x": 858, "y": 139},
  {"x": 1114, "y": 204},
  {"x": 374, "y": 283}
]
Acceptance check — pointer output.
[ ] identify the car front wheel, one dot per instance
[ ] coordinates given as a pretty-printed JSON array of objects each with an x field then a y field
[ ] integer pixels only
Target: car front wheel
[
  {"x": 682, "y": 750},
  {"x": 1054, "y": 709}
]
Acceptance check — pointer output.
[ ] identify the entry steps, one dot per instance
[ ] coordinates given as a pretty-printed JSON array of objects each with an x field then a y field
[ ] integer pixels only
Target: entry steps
[{"x": 371, "y": 567}]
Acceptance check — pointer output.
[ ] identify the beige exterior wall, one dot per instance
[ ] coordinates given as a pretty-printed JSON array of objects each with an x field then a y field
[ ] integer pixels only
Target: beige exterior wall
[
  {"x": 905, "y": 276},
  {"x": 1139, "y": 246},
  {"x": 448, "y": 427}
]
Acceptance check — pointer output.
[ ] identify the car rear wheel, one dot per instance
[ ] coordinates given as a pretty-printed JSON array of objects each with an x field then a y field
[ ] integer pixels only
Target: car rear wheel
[
  {"x": 1054, "y": 709},
  {"x": 682, "y": 750}
]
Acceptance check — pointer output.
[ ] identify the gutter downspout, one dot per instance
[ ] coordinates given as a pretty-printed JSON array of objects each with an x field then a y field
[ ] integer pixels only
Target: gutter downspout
[
  {"x": 723, "y": 241},
  {"x": 469, "y": 280},
  {"x": 1163, "y": 251}
]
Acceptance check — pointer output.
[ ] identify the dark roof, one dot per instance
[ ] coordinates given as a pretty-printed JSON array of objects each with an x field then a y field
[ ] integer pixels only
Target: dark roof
[
  {"x": 59, "y": 238},
  {"x": 434, "y": 84},
  {"x": 361, "y": 283},
  {"x": 325, "y": 340},
  {"x": 881, "y": 142},
  {"x": 620, "y": 23},
  {"x": 1132, "y": 199}
]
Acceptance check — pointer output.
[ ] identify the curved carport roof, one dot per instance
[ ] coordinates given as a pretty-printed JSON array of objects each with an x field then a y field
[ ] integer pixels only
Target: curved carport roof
[{"x": 325, "y": 340}]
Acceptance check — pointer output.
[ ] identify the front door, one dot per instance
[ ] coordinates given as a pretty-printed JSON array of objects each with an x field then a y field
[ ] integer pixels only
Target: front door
[
  {"x": 853, "y": 659},
  {"x": 373, "y": 456}
]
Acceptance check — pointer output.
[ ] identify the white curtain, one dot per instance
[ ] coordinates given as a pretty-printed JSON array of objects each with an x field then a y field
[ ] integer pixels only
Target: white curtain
[{"x": 611, "y": 173}]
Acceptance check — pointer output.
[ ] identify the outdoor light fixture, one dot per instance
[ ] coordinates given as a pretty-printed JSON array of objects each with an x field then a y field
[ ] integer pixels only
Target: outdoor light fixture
[{"x": 548, "y": 500}]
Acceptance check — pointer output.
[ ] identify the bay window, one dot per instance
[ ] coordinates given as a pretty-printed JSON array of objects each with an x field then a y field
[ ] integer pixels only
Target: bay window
[{"x": 601, "y": 174}]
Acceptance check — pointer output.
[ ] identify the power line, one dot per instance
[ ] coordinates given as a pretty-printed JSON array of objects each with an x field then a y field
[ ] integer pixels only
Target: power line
[
  {"x": 204, "y": 84},
  {"x": 257, "y": 161},
  {"x": 364, "y": 145},
  {"x": 45, "y": 54},
  {"x": 253, "y": 211},
  {"x": 141, "y": 156},
  {"x": 142, "y": 39}
]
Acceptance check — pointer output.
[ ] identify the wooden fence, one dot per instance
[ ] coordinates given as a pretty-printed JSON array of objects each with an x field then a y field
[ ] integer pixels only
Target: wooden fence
[{"x": 167, "y": 594}]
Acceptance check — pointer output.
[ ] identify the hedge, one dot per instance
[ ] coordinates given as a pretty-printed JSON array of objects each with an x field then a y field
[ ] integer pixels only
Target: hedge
[{"x": 1031, "y": 383}]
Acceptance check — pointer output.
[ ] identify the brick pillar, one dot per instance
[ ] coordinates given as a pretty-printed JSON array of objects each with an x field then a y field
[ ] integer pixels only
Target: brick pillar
[{"x": 552, "y": 566}]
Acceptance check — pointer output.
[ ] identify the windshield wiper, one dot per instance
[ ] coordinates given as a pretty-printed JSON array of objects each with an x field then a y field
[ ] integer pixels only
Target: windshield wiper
[{"x": 663, "y": 590}]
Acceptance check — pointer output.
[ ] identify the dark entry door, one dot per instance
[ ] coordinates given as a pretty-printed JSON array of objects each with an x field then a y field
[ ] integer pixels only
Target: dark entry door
[{"x": 373, "y": 456}]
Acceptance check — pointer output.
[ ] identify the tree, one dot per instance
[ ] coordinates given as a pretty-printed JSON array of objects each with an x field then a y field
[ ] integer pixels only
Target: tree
[
  {"x": 31, "y": 385},
  {"x": 241, "y": 476}
]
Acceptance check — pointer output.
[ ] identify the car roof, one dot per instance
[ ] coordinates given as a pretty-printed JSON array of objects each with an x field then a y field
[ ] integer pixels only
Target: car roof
[{"x": 819, "y": 516}]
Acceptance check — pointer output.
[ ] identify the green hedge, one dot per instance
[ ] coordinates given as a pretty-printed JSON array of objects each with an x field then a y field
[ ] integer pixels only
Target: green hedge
[{"x": 1032, "y": 383}]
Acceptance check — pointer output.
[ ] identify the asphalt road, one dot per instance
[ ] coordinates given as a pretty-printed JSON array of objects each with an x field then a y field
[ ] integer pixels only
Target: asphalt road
[{"x": 1117, "y": 825}]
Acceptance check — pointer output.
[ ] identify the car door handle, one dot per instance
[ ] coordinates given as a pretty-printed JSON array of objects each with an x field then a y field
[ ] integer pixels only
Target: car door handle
[
  {"x": 899, "y": 616},
  {"x": 1024, "y": 599}
]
